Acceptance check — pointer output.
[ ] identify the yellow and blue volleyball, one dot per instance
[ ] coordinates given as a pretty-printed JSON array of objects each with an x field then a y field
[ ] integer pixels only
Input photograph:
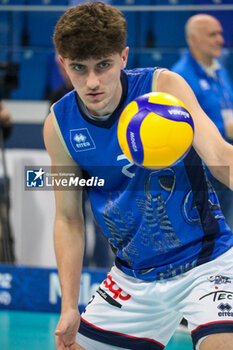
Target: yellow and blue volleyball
[{"x": 155, "y": 130}]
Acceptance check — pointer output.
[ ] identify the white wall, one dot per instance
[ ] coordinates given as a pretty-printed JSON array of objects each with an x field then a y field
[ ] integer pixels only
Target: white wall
[{"x": 31, "y": 212}]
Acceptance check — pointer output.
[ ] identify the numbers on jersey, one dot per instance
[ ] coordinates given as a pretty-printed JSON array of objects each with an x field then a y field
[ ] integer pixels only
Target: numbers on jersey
[{"x": 125, "y": 168}]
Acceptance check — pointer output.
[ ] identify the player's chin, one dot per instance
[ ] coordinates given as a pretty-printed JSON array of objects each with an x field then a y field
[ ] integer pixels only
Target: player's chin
[
  {"x": 97, "y": 108},
  {"x": 90, "y": 102}
]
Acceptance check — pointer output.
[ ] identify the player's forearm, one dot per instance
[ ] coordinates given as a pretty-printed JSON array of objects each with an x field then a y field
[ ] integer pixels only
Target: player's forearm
[{"x": 69, "y": 248}]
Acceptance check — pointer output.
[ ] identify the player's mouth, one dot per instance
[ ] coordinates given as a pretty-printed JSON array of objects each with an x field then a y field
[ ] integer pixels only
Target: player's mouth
[{"x": 94, "y": 95}]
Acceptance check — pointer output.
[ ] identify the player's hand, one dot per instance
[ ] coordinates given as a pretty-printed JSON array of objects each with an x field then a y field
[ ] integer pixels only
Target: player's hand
[{"x": 66, "y": 330}]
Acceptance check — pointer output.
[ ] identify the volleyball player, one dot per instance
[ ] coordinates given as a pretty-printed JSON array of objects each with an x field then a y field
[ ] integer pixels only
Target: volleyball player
[{"x": 174, "y": 255}]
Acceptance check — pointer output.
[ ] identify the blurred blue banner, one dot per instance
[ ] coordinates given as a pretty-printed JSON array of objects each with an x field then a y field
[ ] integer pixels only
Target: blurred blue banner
[{"x": 38, "y": 289}]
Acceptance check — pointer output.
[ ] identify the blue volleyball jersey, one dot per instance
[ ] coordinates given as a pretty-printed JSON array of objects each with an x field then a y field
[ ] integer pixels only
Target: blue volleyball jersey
[{"x": 158, "y": 223}]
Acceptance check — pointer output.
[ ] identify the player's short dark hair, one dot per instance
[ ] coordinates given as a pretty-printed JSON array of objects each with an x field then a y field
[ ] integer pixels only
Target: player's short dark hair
[{"x": 90, "y": 30}]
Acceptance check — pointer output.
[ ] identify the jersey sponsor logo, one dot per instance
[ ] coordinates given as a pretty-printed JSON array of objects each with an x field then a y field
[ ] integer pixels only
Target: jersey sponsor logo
[
  {"x": 107, "y": 298},
  {"x": 113, "y": 287},
  {"x": 81, "y": 140},
  {"x": 219, "y": 295},
  {"x": 224, "y": 307},
  {"x": 225, "y": 310},
  {"x": 219, "y": 279}
]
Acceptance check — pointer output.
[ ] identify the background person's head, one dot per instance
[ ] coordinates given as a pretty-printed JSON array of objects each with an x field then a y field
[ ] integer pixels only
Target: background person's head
[
  {"x": 90, "y": 30},
  {"x": 204, "y": 35}
]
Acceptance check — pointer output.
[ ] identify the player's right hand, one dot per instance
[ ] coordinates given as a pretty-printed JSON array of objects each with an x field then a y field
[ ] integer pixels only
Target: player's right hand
[{"x": 66, "y": 331}]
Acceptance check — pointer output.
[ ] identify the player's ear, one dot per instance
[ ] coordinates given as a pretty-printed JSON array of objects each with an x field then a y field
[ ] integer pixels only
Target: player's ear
[
  {"x": 124, "y": 57},
  {"x": 61, "y": 60},
  {"x": 62, "y": 66}
]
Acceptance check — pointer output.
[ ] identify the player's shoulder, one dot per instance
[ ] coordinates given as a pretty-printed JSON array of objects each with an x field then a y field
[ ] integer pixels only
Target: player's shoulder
[
  {"x": 174, "y": 84},
  {"x": 48, "y": 123},
  {"x": 66, "y": 100},
  {"x": 54, "y": 142},
  {"x": 139, "y": 71},
  {"x": 138, "y": 77},
  {"x": 167, "y": 76},
  {"x": 49, "y": 131}
]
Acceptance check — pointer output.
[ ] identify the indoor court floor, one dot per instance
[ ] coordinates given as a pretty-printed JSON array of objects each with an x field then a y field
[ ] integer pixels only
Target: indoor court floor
[{"x": 34, "y": 331}]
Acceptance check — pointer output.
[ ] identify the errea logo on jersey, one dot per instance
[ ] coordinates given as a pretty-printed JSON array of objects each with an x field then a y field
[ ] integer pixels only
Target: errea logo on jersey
[{"x": 81, "y": 140}]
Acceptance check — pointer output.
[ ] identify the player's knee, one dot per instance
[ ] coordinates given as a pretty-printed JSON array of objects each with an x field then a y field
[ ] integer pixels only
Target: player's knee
[{"x": 223, "y": 341}]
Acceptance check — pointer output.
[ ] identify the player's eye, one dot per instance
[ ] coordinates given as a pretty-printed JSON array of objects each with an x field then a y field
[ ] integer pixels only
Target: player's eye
[
  {"x": 104, "y": 65},
  {"x": 79, "y": 67}
]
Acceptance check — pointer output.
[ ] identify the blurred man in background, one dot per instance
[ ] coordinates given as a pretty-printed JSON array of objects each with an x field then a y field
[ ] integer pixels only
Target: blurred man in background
[
  {"x": 5, "y": 120},
  {"x": 6, "y": 242},
  {"x": 211, "y": 84}
]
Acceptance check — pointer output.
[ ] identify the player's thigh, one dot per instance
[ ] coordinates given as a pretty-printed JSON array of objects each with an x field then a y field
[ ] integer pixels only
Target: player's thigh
[
  {"x": 79, "y": 347},
  {"x": 208, "y": 307},
  {"x": 223, "y": 341},
  {"x": 128, "y": 313}
]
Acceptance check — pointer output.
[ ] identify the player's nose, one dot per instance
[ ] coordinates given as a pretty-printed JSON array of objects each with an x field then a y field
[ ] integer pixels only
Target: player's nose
[{"x": 92, "y": 81}]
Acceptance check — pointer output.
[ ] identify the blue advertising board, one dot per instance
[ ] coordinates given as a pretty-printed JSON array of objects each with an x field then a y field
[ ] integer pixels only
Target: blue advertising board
[{"x": 38, "y": 289}]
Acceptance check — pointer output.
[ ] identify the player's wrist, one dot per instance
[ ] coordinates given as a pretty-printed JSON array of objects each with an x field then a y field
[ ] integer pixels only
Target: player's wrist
[{"x": 69, "y": 308}]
